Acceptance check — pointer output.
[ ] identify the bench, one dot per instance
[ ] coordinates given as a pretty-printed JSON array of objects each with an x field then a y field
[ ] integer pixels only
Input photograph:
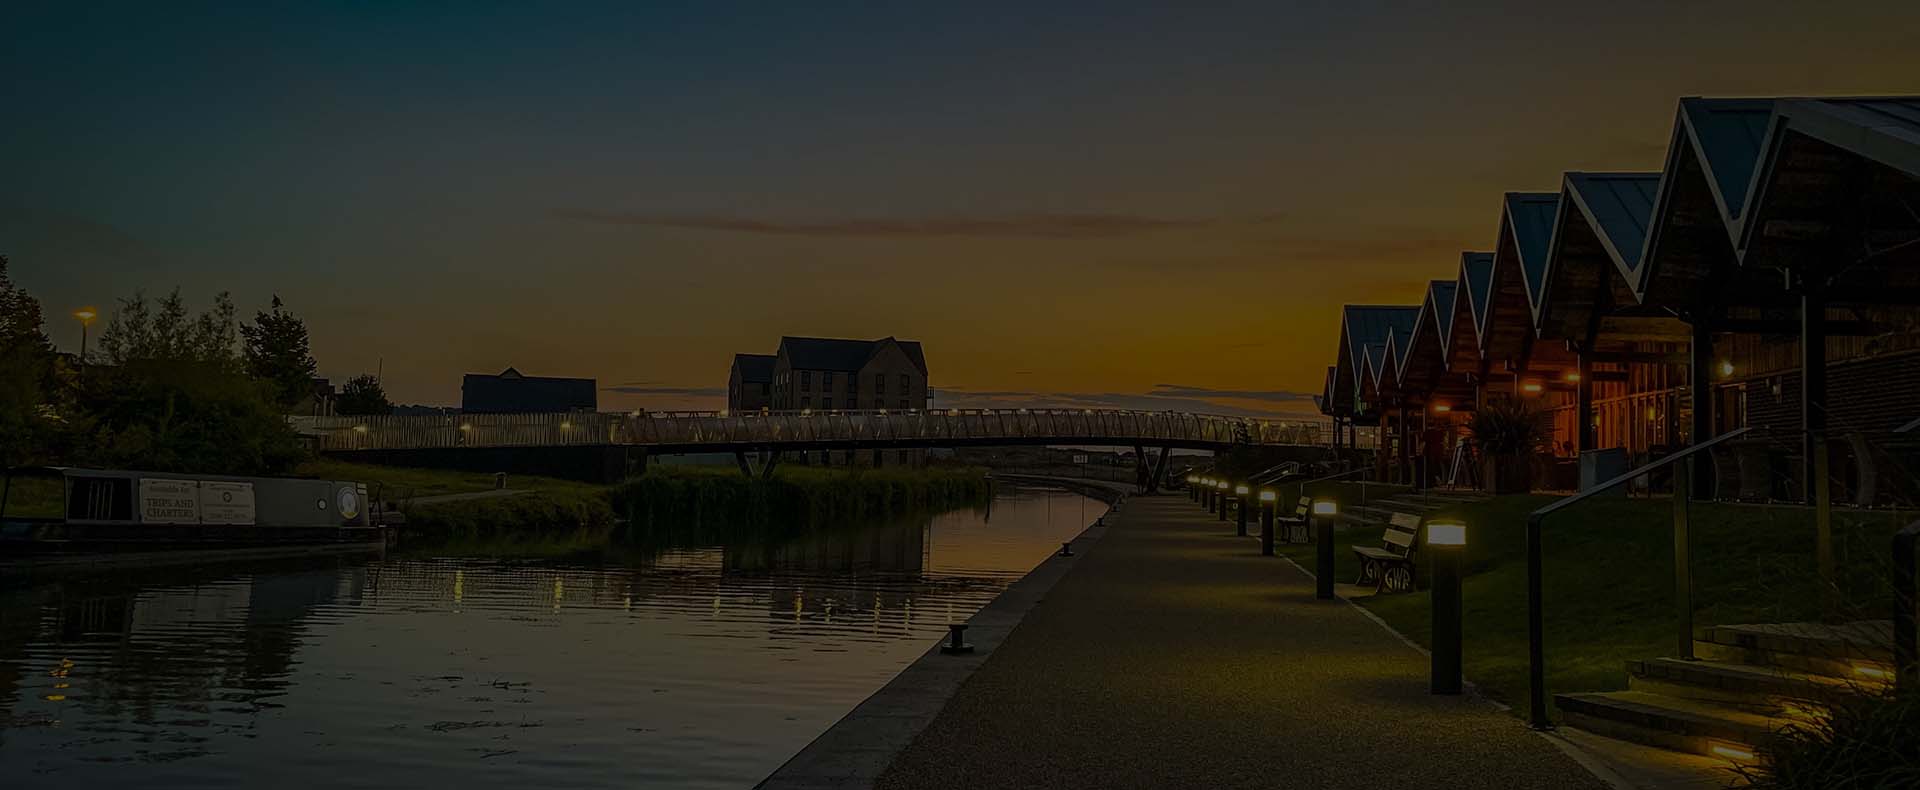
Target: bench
[
  {"x": 1390, "y": 567},
  {"x": 1284, "y": 525}
]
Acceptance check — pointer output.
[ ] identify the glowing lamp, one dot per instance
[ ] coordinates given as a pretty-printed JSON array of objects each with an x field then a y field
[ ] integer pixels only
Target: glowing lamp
[
  {"x": 1575, "y": 376},
  {"x": 1222, "y": 485},
  {"x": 1442, "y": 408},
  {"x": 1531, "y": 387},
  {"x": 1733, "y": 752},
  {"x": 1267, "y": 495},
  {"x": 86, "y": 314},
  {"x": 1325, "y": 507},
  {"x": 1191, "y": 479},
  {"x": 565, "y": 425},
  {"x": 1241, "y": 489},
  {"x": 466, "y": 426},
  {"x": 359, "y": 429},
  {"x": 1446, "y": 533},
  {"x": 1726, "y": 367}
]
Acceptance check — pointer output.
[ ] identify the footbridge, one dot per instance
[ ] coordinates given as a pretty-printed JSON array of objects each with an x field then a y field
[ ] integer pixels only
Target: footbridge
[{"x": 707, "y": 432}]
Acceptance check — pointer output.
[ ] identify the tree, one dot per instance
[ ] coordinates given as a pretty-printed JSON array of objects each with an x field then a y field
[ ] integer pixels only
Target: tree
[
  {"x": 174, "y": 396},
  {"x": 163, "y": 331},
  {"x": 28, "y": 418},
  {"x": 276, "y": 351},
  {"x": 363, "y": 394}
]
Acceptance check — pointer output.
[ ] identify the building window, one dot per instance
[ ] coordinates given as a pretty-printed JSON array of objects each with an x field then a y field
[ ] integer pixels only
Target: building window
[
  {"x": 906, "y": 385},
  {"x": 826, "y": 403},
  {"x": 903, "y": 405},
  {"x": 826, "y": 381},
  {"x": 806, "y": 381},
  {"x": 879, "y": 383},
  {"x": 806, "y": 403},
  {"x": 763, "y": 387}
]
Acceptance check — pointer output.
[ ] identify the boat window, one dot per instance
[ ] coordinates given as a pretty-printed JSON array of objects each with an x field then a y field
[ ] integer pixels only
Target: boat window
[{"x": 101, "y": 499}]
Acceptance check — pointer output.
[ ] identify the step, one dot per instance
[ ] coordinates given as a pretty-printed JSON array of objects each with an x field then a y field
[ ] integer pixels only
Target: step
[
  {"x": 1869, "y": 642},
  {"x": 1676, "y": 723},
  {"x": 1744, "y": 685}
]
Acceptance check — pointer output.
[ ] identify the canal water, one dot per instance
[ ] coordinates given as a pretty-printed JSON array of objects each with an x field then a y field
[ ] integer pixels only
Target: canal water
[{"x": 680, "y": 664}]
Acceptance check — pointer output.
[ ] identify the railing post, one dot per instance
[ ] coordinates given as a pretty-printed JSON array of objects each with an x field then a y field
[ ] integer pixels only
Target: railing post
[
  {"x": 1683, "y": 557},
  {"x": 1536, "y": 632},
  {"x": 1906, "y": 635}
]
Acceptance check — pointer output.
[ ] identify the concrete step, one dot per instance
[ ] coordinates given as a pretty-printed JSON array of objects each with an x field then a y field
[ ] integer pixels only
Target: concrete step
[
  {"x": 1676, "y": 723},
  {"x": 1859, "y": 652},
  {"x": 1754, "y": 688}
]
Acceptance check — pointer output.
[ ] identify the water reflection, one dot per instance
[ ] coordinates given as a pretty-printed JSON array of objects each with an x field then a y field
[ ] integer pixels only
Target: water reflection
[{"x": 668, "y": 661}]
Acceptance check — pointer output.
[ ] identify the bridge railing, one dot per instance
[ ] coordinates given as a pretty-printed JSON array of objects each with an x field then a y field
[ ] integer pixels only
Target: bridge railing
[{"x": 931, "y": 426}]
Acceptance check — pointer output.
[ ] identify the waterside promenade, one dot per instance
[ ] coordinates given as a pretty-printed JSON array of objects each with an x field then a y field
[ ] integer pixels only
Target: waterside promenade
[{"x": 1172, "y": 655}]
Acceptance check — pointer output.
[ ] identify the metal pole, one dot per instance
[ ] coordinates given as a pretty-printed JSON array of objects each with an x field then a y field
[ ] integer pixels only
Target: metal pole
[
  {"x": 1536, "y": 633},
  {"x": 1700, "y": 380},
  {"x": 1683, "y": 558},
  {"x": 1906, "y": 635},
  {"x": 1266, "y": 529},
  {"x": 1446, "y": 619},
  {"x": 1323, "y": 558}
]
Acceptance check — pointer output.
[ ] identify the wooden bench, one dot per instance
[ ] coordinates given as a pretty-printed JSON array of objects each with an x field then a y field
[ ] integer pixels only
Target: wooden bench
[
  {"x": 1390, "y": 567},
  {"x": 1284, "y": 525}
]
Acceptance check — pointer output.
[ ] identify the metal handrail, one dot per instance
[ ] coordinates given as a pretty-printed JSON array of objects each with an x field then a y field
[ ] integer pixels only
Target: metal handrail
[
  {"x": 1906, "y": 595},
  {"x": 1682, "y": 567}
]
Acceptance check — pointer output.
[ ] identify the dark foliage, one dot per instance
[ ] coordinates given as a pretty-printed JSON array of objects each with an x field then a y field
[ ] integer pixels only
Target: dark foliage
[
  {"x": 363, "y": 394},
  {"x": 276, "y": 351}
]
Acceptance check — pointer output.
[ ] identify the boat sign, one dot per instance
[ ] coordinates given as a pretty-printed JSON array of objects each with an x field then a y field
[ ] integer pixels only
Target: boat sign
[
  {"x": 169, "y": 501},
  {"x": 226, "y": 503}
]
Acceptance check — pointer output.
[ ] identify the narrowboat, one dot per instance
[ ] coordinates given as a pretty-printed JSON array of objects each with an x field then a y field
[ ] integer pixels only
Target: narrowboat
[{"x": 50, "y": 515}]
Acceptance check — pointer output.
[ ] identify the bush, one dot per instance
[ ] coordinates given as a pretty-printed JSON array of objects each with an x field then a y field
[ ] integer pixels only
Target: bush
[{"x": 1867, "y": 742}]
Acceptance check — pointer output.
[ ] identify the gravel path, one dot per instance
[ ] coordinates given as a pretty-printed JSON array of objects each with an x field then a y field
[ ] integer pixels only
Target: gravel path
[{"x": 1173, "y": 655}]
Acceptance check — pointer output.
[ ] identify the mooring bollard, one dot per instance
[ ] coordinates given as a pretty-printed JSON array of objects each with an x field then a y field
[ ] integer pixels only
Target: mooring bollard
[
  {"x": 1448, "y": 542},
  {"x": 956, "y": 643},
  {"x": 1323, "y": 512},
  {"x": 1066, "y": 548}
]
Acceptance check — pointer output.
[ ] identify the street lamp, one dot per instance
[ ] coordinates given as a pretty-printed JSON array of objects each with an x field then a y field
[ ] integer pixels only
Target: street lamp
[{"x": 85, "y": 316}]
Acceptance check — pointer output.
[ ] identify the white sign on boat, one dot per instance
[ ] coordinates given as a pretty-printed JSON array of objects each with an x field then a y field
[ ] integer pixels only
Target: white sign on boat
[
  {"x": 169, "y": 501},
  {"x": 226, "y": 503}
]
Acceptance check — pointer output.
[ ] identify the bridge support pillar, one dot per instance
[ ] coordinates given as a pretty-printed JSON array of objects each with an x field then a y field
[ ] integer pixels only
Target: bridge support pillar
[{"x": 1159, "y": 471}]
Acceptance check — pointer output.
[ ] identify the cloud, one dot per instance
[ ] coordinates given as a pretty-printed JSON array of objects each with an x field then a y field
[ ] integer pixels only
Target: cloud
[
  {"x": 649, "y": 388},
  {"x": 1033, "y": 226},
  {"x": 1270, "y": 396}
]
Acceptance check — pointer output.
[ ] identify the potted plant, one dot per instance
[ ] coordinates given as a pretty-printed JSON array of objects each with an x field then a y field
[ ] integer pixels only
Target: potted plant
[{"x": 1507, "y": 433}]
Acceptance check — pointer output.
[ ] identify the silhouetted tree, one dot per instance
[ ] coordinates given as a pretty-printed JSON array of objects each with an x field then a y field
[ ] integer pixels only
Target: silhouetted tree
[
  {"x": 363, "y": 394},
  {"x": 276, "y": 351},
  {"x": 29, "y": 418},
  {"x": 174, "y": 396}
]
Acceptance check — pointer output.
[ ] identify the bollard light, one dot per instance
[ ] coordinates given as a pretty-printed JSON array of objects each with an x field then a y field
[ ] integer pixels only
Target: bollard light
[
  {"x": 1240, "y": 509},
  {"x": 1267, "y": 499},
  {"x": 1446, "y": 543},
  {"x": 1323, "y": 512}
]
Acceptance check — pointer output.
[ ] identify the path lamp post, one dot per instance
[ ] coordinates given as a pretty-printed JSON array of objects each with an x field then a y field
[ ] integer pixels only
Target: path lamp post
[
  {"x": 1240, "y": 509},
  {"x": 1267, "y": 499},
  {"x": 1220, "y": 493},
  {"x": 1206, "y": 493},
  {"x": 85, "y": 315},
  {"x": 1193, "y": 494},
  {"x": 1323, "y": 512},
  {"x": 1447, "y": 540}
]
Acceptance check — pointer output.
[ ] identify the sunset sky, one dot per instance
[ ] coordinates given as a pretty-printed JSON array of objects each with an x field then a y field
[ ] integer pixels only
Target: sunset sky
[{"x": 1112, "y": 204}]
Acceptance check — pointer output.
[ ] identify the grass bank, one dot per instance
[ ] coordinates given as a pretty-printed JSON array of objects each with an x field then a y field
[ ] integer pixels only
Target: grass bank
[{"x": 1609, "y": 581}]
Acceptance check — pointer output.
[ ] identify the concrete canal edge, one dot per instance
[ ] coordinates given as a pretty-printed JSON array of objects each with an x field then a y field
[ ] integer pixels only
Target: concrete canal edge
[{"x": 855, "y": 750}]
